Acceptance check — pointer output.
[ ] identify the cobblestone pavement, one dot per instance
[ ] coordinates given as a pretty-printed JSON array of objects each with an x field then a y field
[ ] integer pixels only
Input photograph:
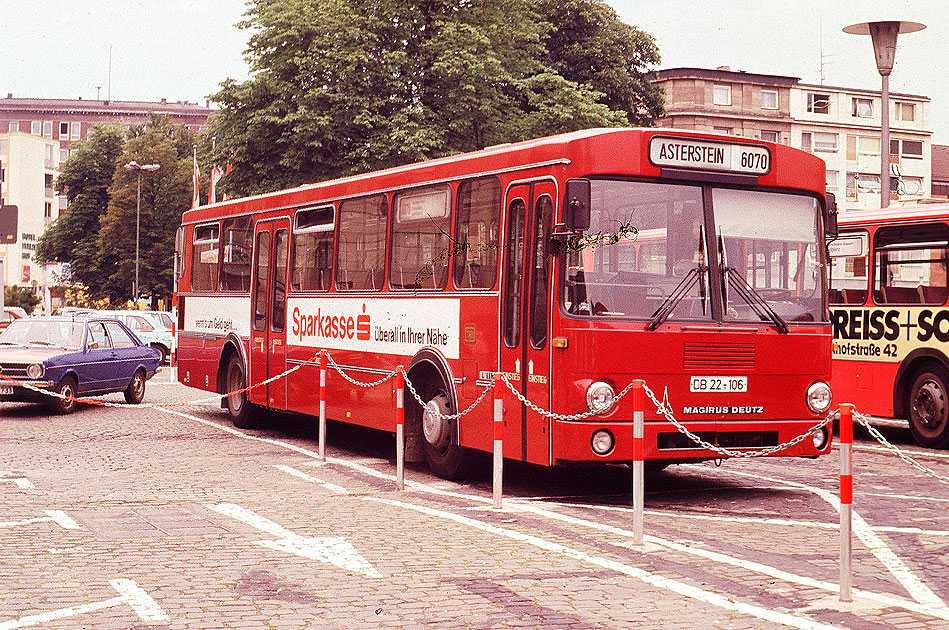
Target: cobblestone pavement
[{"x": 134, "y": 517}]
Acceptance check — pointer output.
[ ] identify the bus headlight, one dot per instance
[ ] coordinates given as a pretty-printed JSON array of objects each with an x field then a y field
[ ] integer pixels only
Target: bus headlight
[
  {"x": 34, "y": 371},
  {"x": 819, "y": 397},
  {"x": 600, "y": 397},
  {"x": 602, "y": 442}
]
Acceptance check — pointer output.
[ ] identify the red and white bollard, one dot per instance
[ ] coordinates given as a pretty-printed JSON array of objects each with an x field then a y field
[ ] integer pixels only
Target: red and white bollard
[
  {"x": 846, "y": 502},
  {"x": 400, "y": 427},
  {"x": 322, "y": 446},
  {"x": 174, "y": 331},
  {"x": 639, "y": 456},
  {"x": 498, "y": 439}
]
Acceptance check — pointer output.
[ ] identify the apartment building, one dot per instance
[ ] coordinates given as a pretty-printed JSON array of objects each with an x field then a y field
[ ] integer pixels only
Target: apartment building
[
  {"x": 28, "y": 167},
  {"x": 841, "y": 125}
]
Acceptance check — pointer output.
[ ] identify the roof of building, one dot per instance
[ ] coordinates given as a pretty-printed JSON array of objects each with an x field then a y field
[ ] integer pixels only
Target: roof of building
[{"x": 97, "y": 106}]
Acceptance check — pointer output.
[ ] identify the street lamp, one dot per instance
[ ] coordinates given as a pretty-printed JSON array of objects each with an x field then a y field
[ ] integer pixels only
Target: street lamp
[
  {"x": 135, "y": 166},
  {"x": 884, "y": 34}
]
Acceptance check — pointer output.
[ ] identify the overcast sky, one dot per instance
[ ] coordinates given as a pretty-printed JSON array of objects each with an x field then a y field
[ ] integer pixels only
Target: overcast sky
[{"x": 183, "y": 49}]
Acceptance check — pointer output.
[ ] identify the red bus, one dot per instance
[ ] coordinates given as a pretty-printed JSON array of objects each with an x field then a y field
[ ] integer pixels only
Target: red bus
[
  {"x": 888, "y": 295},
  {"x": 525, "y": 259}
]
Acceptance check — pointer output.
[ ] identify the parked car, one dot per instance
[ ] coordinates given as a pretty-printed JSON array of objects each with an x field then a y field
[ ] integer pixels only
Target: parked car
[
  {"x": 9, "y": 314},
  {"x": 149, "y": 327},
  {"x": 73, "y": 357}
]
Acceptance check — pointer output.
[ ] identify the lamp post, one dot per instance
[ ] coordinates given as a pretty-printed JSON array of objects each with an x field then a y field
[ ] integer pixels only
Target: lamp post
[
  {"x": 883, "y": 35},
  {"x": 135, "y": 166}
]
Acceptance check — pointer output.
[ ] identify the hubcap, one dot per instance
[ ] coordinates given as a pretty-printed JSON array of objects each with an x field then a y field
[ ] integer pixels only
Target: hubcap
[
  {"x": 929, "y": 407},
  {"x": 434, "y": 426}
]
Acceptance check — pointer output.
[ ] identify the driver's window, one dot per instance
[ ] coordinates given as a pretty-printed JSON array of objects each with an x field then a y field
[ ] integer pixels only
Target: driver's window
[{"x": 98, "y": 340}]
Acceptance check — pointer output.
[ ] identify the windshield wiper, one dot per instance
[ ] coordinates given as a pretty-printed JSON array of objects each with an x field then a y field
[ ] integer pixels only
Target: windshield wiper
[
  {"x": 757, "y": 303},
  {"x": 696, "y": 274}
]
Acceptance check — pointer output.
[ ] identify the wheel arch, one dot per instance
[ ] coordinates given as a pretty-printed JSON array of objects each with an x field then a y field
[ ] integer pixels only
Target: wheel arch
[
  {"x": 427, "y": 364},
  {"x": 910, "y": 365},
  {"x": 233, "y": 345}
]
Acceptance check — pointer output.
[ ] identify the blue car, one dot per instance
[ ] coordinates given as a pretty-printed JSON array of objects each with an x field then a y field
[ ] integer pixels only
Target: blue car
[{"x": 72, "y": 358}]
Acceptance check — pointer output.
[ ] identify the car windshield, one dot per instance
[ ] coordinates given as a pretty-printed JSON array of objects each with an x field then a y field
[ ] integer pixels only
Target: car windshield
[
  {"x": 43, "y": 332},
  {"x": 650, "y": 252}
]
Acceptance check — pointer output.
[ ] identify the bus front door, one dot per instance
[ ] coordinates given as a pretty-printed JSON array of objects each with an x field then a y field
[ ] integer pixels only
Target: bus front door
[
  {"x": 525, "y": 319},
  {"x": 268, "y": 336}
]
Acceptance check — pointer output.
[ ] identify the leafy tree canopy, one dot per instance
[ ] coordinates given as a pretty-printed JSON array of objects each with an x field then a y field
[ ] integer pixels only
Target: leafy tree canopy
[
  {"x": 346, "y": 86},
  {"x": 24, "y": 297}
]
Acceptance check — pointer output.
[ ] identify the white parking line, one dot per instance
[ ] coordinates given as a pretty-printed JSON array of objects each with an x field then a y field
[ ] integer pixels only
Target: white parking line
[
  {"x": 52, "y": 516},
  {"x": 22, "y": 482},
  {"x": 130, "y": 593}
]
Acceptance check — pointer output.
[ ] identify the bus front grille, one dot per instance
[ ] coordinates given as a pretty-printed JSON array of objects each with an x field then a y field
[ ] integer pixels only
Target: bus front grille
[{"x": 701, "y": 356}]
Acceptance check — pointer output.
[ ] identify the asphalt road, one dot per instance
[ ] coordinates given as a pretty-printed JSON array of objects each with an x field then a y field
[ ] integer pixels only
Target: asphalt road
[{"x": 138, "y": 517}]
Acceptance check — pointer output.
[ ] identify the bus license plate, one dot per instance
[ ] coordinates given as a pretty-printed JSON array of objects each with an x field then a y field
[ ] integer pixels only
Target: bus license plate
[
  {"x": 723, "y": 384},
  {"x": 6, "y": 390}
]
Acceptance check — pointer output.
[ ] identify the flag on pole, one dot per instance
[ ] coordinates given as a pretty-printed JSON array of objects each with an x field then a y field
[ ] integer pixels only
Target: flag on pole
[
  {"x": 196, "y": 181},
  {"x": 215, "y": 177},
  {"x": 227, "y": 171}
]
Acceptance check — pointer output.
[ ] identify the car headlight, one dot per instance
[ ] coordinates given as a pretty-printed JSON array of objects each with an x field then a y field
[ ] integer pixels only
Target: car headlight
[
  {"x": 35, "y": 370},
  {"x": 600, "y": 397},
  {"x": 819, "y": 397}
]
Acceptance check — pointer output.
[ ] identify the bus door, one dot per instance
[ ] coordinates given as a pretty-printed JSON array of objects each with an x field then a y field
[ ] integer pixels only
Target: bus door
[
  {"x": 525, "y": 319},
  {"x": 268, "y": 336}
]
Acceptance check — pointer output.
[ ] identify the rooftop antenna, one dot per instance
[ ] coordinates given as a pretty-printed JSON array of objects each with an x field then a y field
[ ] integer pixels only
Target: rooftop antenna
[
  {"x": 108, "y": 93},
  {"x": 98, "y": 87}
]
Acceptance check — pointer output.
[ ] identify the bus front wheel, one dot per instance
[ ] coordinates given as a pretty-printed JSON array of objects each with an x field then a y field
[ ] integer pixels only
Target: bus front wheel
[
  {"x": 929, "y": 407},
  {"x": 235, "y": 386},
  {"x": 445, "y": 458}
]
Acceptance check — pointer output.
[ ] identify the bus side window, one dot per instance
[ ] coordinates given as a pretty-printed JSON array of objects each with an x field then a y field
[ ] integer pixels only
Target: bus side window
[
  {"x": 360, "y": 260},
  {"x": 849, "y": 272},
  {"x": 235, "y": 267},
  {"x": 204, "y": 258},
  {"x": 475, "y": 248},
  {"x": 910, "y": 264},
  {"x": 312, "y": 253},
  {"x": 419, "y": 252}
]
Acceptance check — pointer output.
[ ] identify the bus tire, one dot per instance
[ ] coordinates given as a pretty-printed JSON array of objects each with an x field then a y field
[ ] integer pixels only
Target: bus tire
[
  {"x": 445, "y": 458},
  {"x": 928, "y": 406},
  {"x": 239, "y": 408}
]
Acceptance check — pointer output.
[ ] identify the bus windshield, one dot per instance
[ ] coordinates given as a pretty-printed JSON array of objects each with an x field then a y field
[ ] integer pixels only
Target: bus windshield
[{"x": 649, "y": 247}]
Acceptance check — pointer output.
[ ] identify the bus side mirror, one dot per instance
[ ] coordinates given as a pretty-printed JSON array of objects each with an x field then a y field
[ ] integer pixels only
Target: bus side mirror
[
  {"x": 830, "y": 216},
  {"x": 576, "y": 207}
]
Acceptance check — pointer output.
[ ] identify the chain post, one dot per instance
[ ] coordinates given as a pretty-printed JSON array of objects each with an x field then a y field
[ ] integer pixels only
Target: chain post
[
  {"x": 846, "y": 502},
  {"x": 322, "y": 445},
  {"x": 498, "y": 439},
  {"x": 400, "y": 427},
  {"x": 639, "y": 455}
]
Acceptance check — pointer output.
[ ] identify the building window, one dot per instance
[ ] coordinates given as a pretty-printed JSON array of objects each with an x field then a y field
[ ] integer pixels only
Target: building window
[
  {"x": 906, "y": 111},
  {"x": 769, "y": 136},
  {"x": 64, "y": 131},
  {"x": 48, "y": 129},
  {"x": 862, "y": 107},
  {"x": 48, "y": 210},
  {"x": 722, "y": 130},
  {"x": 831, "y": 180},
  {"x": 36, "y": 127},
  {"x": 13, "y": 125},
  {"x": 769, "y": 99},
  {"x": 74, "y": 130},
  {"x": 862, "y": 183},
  {"x": 912, "y": 149},
  {"x": 818, "y": 103},
  {"x": 825, "y": 141},
  {"x": 722, "y": 95}
]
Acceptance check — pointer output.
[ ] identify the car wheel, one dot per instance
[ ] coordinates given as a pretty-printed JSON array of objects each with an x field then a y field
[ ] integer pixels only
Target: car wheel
[
  {"x": 929, "y": 407},
  {"x": 163, "y": 351},
  {"x": 135, "y": 392},
  {"x": 67, "y": 387},
  {"x": 242, "y": 411}
]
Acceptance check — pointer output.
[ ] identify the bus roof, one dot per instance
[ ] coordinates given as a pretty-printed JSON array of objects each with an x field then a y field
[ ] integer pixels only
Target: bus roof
[
  {"x": 896, "y": 214},
  {"x": 621, "y": 152}
]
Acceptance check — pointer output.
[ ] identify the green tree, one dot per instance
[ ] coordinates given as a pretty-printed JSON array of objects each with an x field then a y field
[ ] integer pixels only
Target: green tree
[
  {"x": 345, "y": 86},
  {"x": 165, "y": 194},
  {"x": 589, "y": 45},
  {"x": 24, "y": 297},
  {"x": 85, "y": 178}
]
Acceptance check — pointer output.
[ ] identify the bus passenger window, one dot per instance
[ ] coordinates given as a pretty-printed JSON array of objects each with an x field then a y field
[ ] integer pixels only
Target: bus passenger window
[
  {"x": 475, "y": 248},
  {"x": 312, "y": 254},
  {"x": 235, "y": 268},
  {"x": 360, "y": 261},
  {"x": 849, "y": 272},
  {"x": 204, "y": 257},
  {"x": 910, "y": 264},
  {"x": 420, "y": 241}
]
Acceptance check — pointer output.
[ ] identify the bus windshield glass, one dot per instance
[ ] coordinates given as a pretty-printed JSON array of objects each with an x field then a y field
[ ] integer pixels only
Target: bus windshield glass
[{"x": 648, "y": 251}]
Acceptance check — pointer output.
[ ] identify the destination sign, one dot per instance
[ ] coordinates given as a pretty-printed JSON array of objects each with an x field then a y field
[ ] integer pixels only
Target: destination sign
[{"x": 709, "y": 155}]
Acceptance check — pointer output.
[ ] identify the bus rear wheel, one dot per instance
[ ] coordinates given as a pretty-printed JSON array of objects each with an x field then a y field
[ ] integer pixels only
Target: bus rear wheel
[
  {"x": 445, "y": 458},
  {"x": 929, "y": 407},
  {"x": 241, "y": 410}
]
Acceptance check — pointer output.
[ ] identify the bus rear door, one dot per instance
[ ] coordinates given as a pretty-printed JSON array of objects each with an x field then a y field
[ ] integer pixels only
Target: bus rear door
[
  {"x": 525, "y": 321},
  {"x": 268, "y": 339}
]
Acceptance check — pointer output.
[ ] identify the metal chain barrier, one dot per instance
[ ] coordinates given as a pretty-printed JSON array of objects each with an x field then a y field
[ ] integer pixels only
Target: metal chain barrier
[
  {"x": 667, "y": 413},
  {"x": 557, "y": 416},
  {"x": 339, "y": 370},
  {"x": 862, "y": 419},
  {"x": 448, "y": 416}
]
